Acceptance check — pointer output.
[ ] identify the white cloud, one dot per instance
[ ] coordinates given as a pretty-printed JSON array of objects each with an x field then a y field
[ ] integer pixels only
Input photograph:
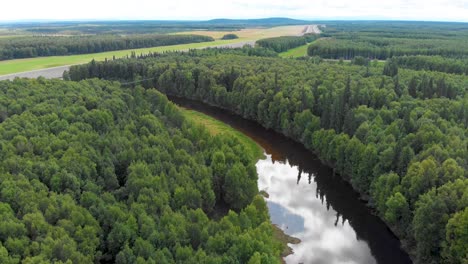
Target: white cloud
[{"x": 456, "y": 10}]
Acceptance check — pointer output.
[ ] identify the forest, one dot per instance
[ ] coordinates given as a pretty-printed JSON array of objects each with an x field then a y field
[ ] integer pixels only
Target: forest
[
  {"x": 433, "y": 63},
  {"x": 382, "y": 40},
  {"x": 377, "y": 47},
  {"x": 398, "y": 135},
  {"x": 281, "y": 44},
  {"x": 230, "y": 36},
  {"x": 98, "y": 172},
  {"x": 40, "y": 46}
]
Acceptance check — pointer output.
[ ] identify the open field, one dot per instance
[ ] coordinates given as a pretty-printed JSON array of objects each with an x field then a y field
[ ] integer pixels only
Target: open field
[
  {"x": 22, "y": 65},
  {"x": 8, "y": 36},
  {"x": 247, "y": 36},
  {"x": 253, "y": 33},
  {"x": 215, "y": 127},
  {"x": 53, "y": 71},
  {"x": 300, "y": 51}
]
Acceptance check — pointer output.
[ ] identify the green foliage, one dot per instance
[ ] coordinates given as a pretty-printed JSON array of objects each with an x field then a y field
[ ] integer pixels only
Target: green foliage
[
  {"x": 29, "y": 47},
  {"x": 397, "y": 212},
  {"x": 434, "y": 63},
  {"x": 412, "y": 45},
  {"x": 361, "y": 61},
  {"x": 390, "y": 68},
  {"x": 382, "y": 40},
  {"x": 433, "y": 211},
  {"x": 96, "y": 172},
  {"x": 396, "y": 138},
  {"x": 239, "y": 185},
  {"x": 377, "y": 47},
  {"x": 281, "y": 44},
  {"x": 230, "y": 36},
  {"x": 456, "y": 247}
]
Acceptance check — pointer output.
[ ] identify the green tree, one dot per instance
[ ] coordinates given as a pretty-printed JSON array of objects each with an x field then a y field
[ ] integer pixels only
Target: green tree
[
  {"x": 239, "y": 187},
  {"x": 398, "y": 212},
  {"x": 390, "y": 68},
  {"x": 455, "y": 249}
]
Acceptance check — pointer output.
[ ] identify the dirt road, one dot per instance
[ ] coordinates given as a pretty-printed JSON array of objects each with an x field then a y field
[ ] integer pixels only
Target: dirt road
[
  {"x": 314, "y": 29},
  {"x": 49, "y": 73}
]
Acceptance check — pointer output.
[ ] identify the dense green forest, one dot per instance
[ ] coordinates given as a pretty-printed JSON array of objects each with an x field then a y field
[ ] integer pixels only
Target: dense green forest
[
  {"x": 378, "y": 47},
  {"x": 433, "y": 63},
  {"x": 281, "y": 44},
  {"x": 39, "y": 46},
  {"x": 398, "y": 135},
  {"x": 95, "y": 172},
  {"x": 382, "y": 40}
]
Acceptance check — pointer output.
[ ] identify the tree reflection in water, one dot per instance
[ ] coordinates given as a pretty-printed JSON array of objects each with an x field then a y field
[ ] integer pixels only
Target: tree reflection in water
[{"x": 320, "y": 202}]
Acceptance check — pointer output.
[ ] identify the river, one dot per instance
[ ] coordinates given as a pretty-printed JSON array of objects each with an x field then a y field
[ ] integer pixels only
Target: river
[{"x": 308, "y": 201}]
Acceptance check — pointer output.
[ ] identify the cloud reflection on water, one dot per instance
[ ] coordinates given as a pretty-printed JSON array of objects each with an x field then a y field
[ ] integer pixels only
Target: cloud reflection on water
[{"x": 297, "y": 208}]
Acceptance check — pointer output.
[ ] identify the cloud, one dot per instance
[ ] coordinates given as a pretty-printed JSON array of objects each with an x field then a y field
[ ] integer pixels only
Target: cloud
[{"x": 206, "y": 9}]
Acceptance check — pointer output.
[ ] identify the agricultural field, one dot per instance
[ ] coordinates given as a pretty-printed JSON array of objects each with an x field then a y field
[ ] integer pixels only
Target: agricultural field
[
  {"x": 253, "y": 33},
  {"x": 247, "y": 36}
]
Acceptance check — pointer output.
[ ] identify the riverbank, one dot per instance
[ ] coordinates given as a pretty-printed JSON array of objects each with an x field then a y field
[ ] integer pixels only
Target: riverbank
[
  {"x": 285, "y": 240},
  {"x": 348, "y": 204},
  {"x": 215, "y": 127}
]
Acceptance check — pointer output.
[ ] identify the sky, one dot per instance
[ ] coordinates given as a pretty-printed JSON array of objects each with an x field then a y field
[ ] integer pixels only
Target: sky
[{"x": 427, "y": 10}]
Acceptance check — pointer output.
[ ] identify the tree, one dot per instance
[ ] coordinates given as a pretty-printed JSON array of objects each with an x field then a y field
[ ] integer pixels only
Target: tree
[
  {"x": 450, "y": 171},
  {"x": 428, "y": 225},
  {"x": 398, "y": 212},
  {"x": 5, "y": 258},
  {"x": 383, "y": 188},
  {"x": 230, "y": 36},
  {"x": 97, "y": 172},
  {"x": 455, "y": 249},
  {"x": 218, "y": 165},
  {"x": 421, "y": 177},
  {"x": 390, "y": 68},
  {"x": 239, "y": 188}
]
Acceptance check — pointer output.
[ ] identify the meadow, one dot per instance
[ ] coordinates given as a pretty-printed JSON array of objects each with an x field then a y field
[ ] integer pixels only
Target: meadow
[
  {"x": 298, "y": 52},
  {"x": 216, "y": 127}
]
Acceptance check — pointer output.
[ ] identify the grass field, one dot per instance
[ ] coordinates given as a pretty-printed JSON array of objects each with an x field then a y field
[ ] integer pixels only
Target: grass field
[
  {"x": 8, "y": 36},
  {"x": 215, "y": 127},
  {"x": 23, "y": 65},
  {"x": 300, "y": 51}
]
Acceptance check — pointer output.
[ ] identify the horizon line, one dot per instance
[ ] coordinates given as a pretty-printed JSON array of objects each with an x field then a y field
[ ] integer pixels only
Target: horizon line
[{"x": 223, "y": 18}]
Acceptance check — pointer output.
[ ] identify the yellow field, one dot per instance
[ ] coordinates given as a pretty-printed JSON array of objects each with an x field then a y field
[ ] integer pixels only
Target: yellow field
[{"x": 253, "y": 33}]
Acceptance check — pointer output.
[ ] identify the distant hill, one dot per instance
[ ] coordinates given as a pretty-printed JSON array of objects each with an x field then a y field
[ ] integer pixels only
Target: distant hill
[{"x": 272, "y": 21}]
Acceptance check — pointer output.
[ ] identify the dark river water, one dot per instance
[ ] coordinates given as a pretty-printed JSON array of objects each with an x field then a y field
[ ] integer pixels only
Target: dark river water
[{"x": 308, "y": 201}]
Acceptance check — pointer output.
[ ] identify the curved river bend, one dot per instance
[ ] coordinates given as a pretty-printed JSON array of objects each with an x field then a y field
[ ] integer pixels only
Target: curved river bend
[{"x": 308, "y": 201}]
